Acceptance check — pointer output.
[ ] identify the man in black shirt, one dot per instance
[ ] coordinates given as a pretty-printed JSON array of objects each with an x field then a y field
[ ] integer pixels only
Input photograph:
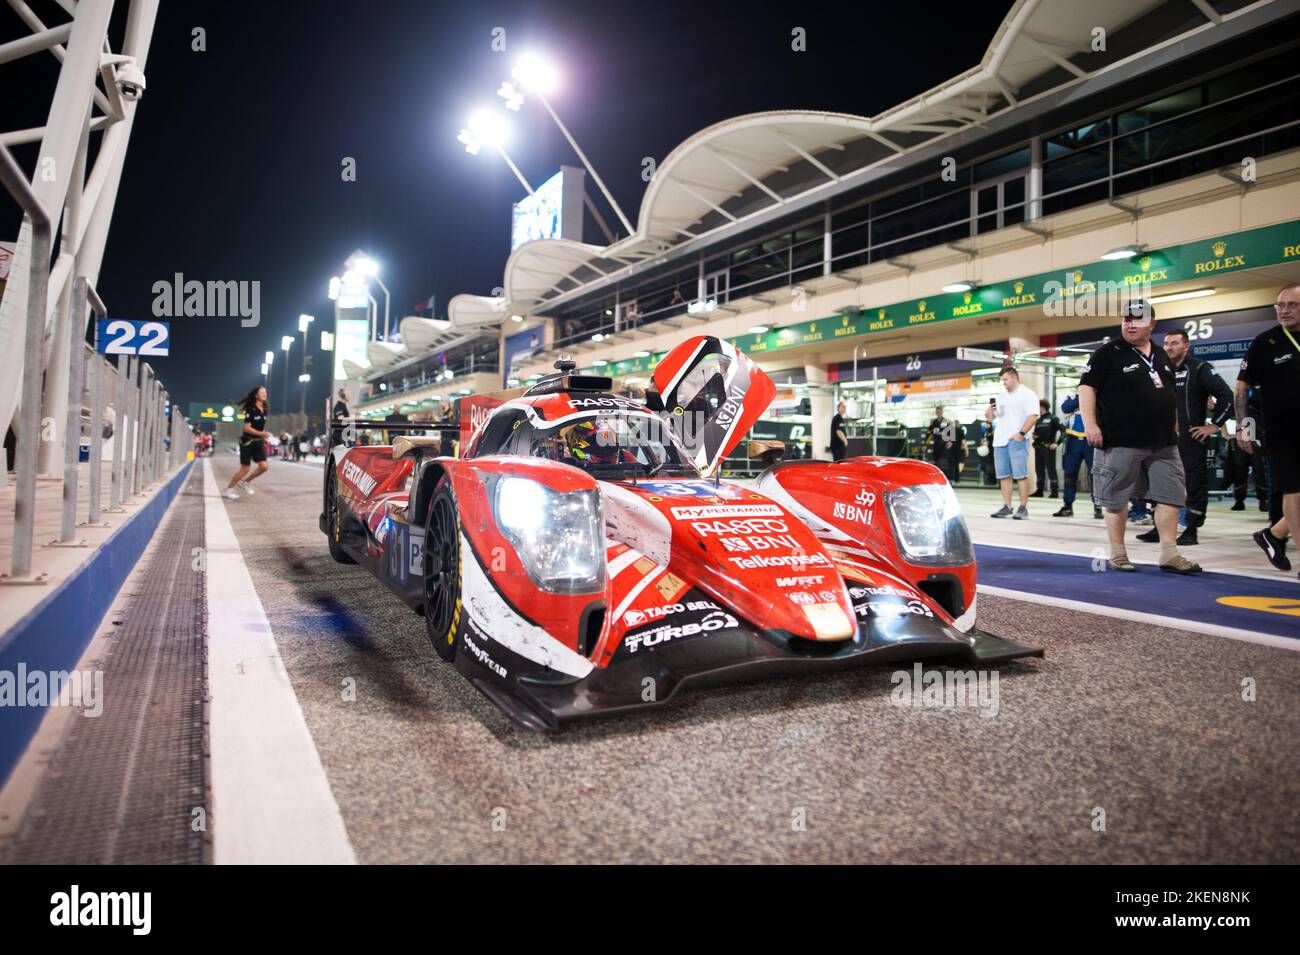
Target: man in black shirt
[
  {"x": 340, "y": 411},
  {"x": 1194, "y": 383},
  {"x": 1047, "y": 435},
  {"x": 839, "y": 436},
  {"x": 1128, "y": 400},
  {"x": 944, "y": 441},
  {"x": 1272, "y": 364}
]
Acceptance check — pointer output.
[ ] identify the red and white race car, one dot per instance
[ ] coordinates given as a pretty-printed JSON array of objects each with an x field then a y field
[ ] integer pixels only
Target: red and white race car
[{"x": 578, "y": 559}]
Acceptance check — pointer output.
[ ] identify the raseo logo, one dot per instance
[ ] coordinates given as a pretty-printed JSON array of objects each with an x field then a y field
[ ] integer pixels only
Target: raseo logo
[{"x": 76, "y": 908}]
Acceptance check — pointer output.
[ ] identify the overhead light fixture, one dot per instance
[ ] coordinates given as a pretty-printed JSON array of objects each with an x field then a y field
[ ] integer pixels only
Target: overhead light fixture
[
  {"x": 1180, "y": 296},
  {"x": 516, "y": 318},
  {"x": 760, "y": 329},
  {"x": 641, "y": 354},
  {"x": 962, "y": 286},
  {"x": 1123, "y": 252},
  {"x": 600, "y": 363}
]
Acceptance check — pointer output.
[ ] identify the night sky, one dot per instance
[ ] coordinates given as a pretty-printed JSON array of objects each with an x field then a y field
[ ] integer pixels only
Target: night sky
[{"x": 234, "y": 163}]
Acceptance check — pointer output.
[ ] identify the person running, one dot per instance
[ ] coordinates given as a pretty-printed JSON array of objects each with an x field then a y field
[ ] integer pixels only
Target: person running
[
  {"x": 252, "y": 443},
  {"x": 1078, "y": 452},
  {"x": 1129, "y": 402}
]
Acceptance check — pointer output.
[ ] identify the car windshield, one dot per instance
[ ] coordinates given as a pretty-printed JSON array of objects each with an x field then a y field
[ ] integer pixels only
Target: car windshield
[{"x": 632, "y": 442}]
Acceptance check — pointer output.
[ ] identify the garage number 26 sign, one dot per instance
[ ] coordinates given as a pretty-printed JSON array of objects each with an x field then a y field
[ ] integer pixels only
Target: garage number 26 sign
[{"x": 120, "y": 336}]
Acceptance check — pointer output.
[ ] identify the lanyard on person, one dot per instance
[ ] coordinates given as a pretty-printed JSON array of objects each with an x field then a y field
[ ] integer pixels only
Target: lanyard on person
[
  {"x": 1287, "y": 332},
  {"x": 1151, "y": 365}
]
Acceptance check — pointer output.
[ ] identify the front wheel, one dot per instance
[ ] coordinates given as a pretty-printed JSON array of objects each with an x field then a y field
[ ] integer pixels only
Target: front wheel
[
  {"x": 332, "y": 524},
  {"x": 442, "y": 583}
]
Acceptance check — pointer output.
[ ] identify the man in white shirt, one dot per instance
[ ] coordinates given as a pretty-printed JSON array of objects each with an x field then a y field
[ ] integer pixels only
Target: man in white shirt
[{"x": 1013, "y": 420}]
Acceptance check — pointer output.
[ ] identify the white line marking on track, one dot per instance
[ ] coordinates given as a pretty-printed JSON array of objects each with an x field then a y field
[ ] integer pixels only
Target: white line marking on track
[
  {"x": 271, "y": 800},
  {"x": 1211, "y": 629}
]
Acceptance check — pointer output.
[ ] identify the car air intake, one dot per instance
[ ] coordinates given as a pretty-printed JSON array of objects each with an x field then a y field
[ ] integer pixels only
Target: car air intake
[{"x": 945, "y": 590}]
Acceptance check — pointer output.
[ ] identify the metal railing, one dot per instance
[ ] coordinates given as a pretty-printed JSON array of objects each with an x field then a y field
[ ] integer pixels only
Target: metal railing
[{"x": 150, "y": 436}]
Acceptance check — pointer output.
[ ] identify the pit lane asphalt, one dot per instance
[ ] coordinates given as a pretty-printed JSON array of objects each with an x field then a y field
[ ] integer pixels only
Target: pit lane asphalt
[{"x": 1144, "y": 722}]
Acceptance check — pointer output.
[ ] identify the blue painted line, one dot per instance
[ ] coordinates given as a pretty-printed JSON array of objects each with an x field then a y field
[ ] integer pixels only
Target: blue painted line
[
  {"x": 55, "y": 633},
  {"x": 1150, "y": 590}
]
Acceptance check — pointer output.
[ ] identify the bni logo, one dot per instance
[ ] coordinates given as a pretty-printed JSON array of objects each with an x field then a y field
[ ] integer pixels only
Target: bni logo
[{"x": 75, "y": 908}]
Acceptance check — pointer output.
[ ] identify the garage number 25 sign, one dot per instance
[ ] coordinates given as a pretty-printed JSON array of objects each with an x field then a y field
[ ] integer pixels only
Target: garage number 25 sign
[{"x": 120, "y": 336}]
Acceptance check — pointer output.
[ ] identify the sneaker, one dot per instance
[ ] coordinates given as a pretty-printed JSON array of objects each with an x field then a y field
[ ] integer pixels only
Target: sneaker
[
  {"x": 1038, "y": 493},
  {"x": 1096, "y": 513},
  {"x": 1065, "y": 511},
  {"x": 1181, "y": 565},
  {"x": 246, "y": 488},
  {"x": 1238, "y": 506},
  {"x": 1144, "y": 521},
  {"x": 229, "y": 494},
  {"x": 1003, "y": 511},
  {"x": 1263, "y": 506},
  {"x": 1187, "y": 538},
  {"x": 1022, "y": 514},
  {"x": 1274, "y": 549},
  {"x": 1055, "y": 494},
  {"x": 1150, "y": 537}
]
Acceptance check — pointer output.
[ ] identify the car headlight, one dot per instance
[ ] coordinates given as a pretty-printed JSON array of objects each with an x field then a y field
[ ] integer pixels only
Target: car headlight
[
  {"x": 558, "y": 535},
  {"x": 929, "y": 526}
]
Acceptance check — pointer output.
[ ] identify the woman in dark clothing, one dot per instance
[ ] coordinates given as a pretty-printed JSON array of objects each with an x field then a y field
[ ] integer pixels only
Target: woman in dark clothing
[{"x": 252, "y": 443}]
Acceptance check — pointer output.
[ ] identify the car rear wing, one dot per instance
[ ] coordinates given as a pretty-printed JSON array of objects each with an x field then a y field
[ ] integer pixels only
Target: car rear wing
[{"x": 339, "y": 428}]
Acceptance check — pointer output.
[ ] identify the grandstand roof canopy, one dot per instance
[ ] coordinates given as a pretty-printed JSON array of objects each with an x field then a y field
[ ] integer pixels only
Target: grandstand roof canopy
[{"x": 742, "y": 167}]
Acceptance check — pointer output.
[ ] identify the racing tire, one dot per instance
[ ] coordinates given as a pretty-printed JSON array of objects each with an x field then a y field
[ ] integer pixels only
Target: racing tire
[
  {"x": 442, "y": 572},
  {"x": 332, "y": 524}
]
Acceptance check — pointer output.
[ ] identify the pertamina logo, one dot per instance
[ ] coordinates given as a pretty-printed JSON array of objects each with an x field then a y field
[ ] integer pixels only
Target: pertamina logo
[{"x": 364, "y": 482}]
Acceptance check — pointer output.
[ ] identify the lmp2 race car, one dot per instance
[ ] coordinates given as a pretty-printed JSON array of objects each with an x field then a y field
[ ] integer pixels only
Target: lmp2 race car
[{"x": 580, "y": 556}]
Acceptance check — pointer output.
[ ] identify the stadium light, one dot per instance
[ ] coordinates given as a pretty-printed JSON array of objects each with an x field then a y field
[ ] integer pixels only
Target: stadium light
[
  {"x": 270, "y": 357},
  {"x": 304, "y": 321},
  {"x": 286, "y": 341},
  {"x": 367, "y": 266},
  {"x": 304, "y": 378},
  {"x": 486, "y": 128},
  {"x": 335, "y": 282},
  {"x": 536, "y": 76}
]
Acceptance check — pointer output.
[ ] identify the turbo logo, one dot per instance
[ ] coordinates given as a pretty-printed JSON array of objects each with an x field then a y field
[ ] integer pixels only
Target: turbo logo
[{"x": 710, "y": 623}]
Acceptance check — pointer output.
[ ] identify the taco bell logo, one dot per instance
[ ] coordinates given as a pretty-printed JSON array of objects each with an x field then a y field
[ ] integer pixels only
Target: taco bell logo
[{"x": 212, "y": 299}]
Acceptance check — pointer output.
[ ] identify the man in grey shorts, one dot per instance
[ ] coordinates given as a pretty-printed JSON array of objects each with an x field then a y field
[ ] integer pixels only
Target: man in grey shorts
[{"x": 1128, "y": 400}]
